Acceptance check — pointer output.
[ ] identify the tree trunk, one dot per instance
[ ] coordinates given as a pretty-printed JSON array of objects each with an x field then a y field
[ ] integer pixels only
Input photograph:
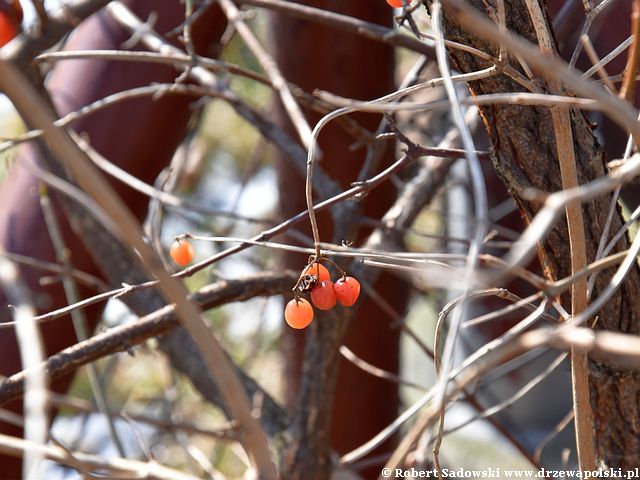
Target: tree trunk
[
  {"x": 139, "y": 135},
  {"x": 524, "y": 156},
  {"x": 352, "y": 405}
]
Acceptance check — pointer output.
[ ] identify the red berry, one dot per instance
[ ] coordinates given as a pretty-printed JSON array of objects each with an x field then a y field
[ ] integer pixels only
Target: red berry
[
  {"x": 7, "y": 29},
  {"x": 323, "y": 296},
  {"x": 181, "y": 252},
  {"x": 396, "y": 3},
  {"x": 347, "y": 290},
  {"x": 318, "y": 270},
  {"x": 298, "y": 313}
]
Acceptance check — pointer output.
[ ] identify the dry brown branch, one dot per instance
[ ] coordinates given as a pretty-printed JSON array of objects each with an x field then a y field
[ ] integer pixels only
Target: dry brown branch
[
  {"x": 119, "y": 339},
  {"x": 271, "y": 69},
  {"x": 612, "y": 348},
  {"x": 578, "y": 250},
  {"x": 628, "y": 89}
]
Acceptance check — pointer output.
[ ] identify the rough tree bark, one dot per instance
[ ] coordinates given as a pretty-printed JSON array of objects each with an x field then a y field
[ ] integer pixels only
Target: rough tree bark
[{"x": 524, "y": 156}]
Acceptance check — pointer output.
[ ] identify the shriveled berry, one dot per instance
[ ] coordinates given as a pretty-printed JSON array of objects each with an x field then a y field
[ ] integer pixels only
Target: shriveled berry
[
  {"x": 181, "y": 252},
  {"x": 319, "y": 271},
  {"x": 298, "y": 313},
  {"x": 347, "y": 290},
  {"x": 323, "y": 296}
]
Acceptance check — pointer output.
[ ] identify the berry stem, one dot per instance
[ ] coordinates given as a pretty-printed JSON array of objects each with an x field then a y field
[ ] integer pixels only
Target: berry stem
[
  {"x": 325, "y": 259},
  {"x": 309, "y": 197}
]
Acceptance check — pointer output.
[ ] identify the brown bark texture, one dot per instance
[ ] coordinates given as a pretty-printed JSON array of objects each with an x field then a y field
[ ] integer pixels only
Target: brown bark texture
[{"x": 524, "y": 157}]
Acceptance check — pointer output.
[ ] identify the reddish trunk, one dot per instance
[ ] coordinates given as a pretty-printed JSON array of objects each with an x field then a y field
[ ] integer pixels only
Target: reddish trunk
[
  {"x": 138, "y": 135},
  {"x": 314, "y": 56}
]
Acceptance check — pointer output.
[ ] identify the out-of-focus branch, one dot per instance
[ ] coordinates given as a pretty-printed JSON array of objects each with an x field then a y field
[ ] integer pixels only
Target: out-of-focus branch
[
  {"x": 552, "y": 67},
  {"x": 325, "y": 185},
  {"x": 612, "y": 348},
  {"x": 85, "y": 463},
  {"x": 577, "y": 244},
  {"x": 372, "y": 31},
  {"x": 34, "y": 110},
  {"x": 271, "y": 69},
  {"x": 31, "y": 355}
]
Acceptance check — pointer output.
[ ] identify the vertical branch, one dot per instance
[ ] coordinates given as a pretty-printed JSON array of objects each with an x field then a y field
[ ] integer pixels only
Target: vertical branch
[
  {"x": 566, "y": 157},
  {"x": 271, "y": 69},
  {"x": 31, "y": 355},
  {"x": 480, "y": 212},
  {"x": 77, "y": 316},
  {"x": 628, "y": 89}
]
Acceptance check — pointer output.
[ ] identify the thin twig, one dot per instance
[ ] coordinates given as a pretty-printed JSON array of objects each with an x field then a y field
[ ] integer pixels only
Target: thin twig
[
  {"x": 35, "y": 41},
  {"x": 204, "y": 77},
  {"x": 506, "y": 403},
  {"x": 224, "y": 432},
  {"x": 377, "y": 371},
  {"x": 77, "y": 316},
  {"x": 562, "y": 424},
  {"x": 608, "y": 58},
  {"x": 628, "y": 89},
  {"x": 118, "y": 467},
  {"x": 481, "y": 213},
  {"x": 271, "y": 68},
  {"x": 595, "y": 60}
]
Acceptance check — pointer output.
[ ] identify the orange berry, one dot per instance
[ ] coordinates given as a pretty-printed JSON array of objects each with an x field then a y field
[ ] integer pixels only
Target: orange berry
[
  {"x": 323, "y": 295},
  {"x": 318, "y": 270},
  {"x": 181, "y": 252},
  {"x": 7, "y": 29},
  {"x": 298, "y": 313},
  {"x": 347, "y": 290},
  {"x": 396, "y": 3}
]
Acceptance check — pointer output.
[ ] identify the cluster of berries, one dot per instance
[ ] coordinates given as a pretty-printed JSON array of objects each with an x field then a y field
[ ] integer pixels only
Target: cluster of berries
[{"x": 316, "y": 279}]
